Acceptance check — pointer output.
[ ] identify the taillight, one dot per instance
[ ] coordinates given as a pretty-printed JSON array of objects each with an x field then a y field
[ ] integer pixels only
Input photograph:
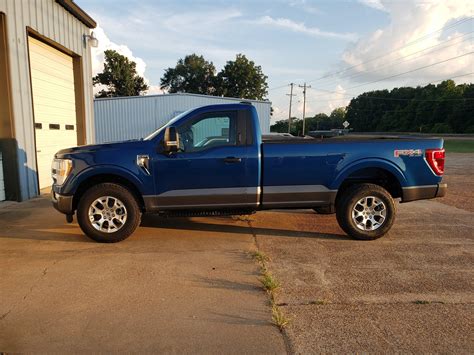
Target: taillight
[{"x": 435, "y": 158}]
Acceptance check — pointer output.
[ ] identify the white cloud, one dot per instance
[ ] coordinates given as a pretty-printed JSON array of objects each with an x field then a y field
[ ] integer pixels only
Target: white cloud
[
  {"x": 98, "y": 59},
  {"x": 376, "y": 4},
  {"x": 104, "y": 44},
  {"x": 306, "y": 7},
  {"x": 321, "y": 101},
  {"x": 300, "y": 27},
  {"x": 410, "y": 21}
]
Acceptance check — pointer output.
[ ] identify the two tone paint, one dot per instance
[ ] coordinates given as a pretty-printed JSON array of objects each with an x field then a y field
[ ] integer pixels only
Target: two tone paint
[{"x": 291, "y": 174}]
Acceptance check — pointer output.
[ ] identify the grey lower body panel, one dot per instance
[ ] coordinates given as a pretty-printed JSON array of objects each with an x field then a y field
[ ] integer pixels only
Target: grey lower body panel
[
  {"x": 62, "y": 203},
  {"x": 232, "y": 198},
  {"x": 424, "y": 192},
  {"x": 297, "y": 196},
  {"x": 242, "y": 198}
]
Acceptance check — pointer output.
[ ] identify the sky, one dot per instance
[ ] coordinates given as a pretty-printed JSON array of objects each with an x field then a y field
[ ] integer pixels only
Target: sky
[{"x": 339, "y": 48}]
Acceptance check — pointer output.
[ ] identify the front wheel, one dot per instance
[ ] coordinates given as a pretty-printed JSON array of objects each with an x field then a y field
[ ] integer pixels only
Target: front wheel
[
  {"x": 366, "y": 211},
  {"x": 108, "y": 213}
]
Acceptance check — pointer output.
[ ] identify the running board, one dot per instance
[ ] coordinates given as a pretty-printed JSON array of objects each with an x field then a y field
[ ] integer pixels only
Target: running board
[{"x": 205, "y": 213}]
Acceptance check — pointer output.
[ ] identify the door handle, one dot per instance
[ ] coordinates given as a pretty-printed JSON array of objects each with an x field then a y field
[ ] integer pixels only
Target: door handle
[{"x": 232, "y": 160}]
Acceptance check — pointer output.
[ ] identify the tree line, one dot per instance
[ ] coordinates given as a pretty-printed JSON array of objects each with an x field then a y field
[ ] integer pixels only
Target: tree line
[
  {"x": 442, "y": 108},
  {"x": 194, "y": 74}
]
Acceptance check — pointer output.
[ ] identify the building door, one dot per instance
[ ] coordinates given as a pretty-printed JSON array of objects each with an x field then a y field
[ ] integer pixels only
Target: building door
[{"x": 52, "y": 80}]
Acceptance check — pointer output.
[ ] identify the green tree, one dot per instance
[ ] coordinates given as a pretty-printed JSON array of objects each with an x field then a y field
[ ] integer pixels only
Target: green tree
[
  {"x": 441, "y": 108},
  {"x": 337, "y": 117},
  {"x": 119, "y": 76},
  {"x": 243, "y": 79},
  {"x": 193, "y": 74}
]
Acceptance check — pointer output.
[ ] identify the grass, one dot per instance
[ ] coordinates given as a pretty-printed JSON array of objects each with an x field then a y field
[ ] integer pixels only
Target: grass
[
  {"x": 279, "y": 318},
  {"x": 262, "y": 258},
  {"x": 459, "y": 146},
  {"x": 269, "y": 283}
]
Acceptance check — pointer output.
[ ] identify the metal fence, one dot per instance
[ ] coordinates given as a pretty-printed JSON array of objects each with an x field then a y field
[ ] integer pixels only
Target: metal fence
[{"x": 124, "y": 118}]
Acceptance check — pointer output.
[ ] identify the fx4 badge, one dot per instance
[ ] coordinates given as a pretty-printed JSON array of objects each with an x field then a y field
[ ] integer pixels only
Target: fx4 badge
[{"x": 407, "y": 152}]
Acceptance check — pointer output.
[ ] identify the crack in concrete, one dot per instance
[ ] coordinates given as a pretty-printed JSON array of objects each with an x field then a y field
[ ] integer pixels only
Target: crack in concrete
[
  {"x": 328, "y": 303},
  {"x": 286, "y": 338},
  {"x": 4, "y": 315},
  {"x": 43, "y": 274}
]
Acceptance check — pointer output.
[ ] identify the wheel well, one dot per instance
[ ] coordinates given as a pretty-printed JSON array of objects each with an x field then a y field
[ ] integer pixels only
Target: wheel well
[
  {"x": 376, "y": 176},
  {"x": 98, "y": 179}
]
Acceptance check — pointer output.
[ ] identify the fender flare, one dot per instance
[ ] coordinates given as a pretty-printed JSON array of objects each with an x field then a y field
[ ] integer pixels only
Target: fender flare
[
  {"x": 92, "y": 171},
  {"x": 370, "y": 163}
]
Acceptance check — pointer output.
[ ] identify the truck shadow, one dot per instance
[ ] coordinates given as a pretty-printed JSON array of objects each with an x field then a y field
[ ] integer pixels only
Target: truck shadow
[{"x": 154, "y": 221}]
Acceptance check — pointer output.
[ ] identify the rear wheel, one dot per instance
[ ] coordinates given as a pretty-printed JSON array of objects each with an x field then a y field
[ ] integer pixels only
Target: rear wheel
[
  {"x": 108, "y": 213},
  {"x": 366, "y": 211}
]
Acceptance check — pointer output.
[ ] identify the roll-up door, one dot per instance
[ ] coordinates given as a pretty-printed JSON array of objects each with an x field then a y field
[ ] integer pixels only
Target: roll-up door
[{"x": 52, "y": 80}]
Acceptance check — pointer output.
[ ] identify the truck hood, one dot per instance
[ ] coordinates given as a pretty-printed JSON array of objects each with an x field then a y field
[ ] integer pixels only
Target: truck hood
[{"x": 92, "y": 148}]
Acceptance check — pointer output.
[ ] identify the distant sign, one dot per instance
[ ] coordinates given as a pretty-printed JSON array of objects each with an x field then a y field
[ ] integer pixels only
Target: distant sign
[{"x": 346, "y": 124}]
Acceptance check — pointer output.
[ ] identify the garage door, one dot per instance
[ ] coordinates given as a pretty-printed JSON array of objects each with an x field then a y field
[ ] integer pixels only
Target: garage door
[{"x": 52, "y": 80}]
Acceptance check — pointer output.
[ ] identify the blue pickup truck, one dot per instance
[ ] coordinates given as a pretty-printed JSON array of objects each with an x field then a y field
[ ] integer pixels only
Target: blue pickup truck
[{"x": 213, "y": 160}]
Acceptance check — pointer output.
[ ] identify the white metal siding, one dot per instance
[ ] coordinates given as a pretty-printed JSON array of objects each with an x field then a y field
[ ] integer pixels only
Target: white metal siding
[
  {"x": 54, "y": 102},
  {"x": 124, "y": 118},
  {"x": 2, "y": 180},
  {"x": 52, "y": 21}
]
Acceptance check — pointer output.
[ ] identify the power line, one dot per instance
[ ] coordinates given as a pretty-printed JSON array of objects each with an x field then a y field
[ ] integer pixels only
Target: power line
[
  {"x": 278, "y": 87},
  {"x": 411, "y": 71},
  {"x": 397, "y": 75},
  {"x": 393, "y": 50},
  {"x": 348, "y": 95},
  {"x": 354, "y": 75}
]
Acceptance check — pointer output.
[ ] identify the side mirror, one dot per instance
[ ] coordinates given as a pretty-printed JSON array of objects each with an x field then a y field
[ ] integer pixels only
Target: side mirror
[{"x": 171, "y": 140}]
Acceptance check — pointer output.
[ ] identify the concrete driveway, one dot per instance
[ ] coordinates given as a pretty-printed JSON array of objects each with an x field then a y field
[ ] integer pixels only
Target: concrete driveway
[
  {"x": 173, "y": 287},
  {"x": 190, "y": 285},
  {"x": 411, "y": 291}
]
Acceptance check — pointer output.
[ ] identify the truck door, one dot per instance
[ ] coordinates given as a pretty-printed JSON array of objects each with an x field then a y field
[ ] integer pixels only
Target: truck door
[{"x": 214, "y": 167}]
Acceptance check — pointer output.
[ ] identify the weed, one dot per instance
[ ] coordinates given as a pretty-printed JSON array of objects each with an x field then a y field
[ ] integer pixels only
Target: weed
[
  {"x": 279, "y": 319},
  {"x": 269, "y": 283},
  {"x": 260, "y": 257}
]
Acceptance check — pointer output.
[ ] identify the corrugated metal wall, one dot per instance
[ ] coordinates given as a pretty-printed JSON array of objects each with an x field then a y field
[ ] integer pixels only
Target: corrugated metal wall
[
  {"x": 124, "y": 118},
  {"x": 52, "y": 21}
]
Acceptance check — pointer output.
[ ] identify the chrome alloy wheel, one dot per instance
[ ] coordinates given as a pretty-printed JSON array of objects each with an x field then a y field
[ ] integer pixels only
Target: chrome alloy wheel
[
  {"x": 107, "y": 214},
  {"x": 369, "y": 213}
]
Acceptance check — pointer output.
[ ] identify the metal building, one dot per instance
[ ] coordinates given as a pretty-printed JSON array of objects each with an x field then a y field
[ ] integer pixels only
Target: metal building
[
  {"x": 46, "y": 99},
  {"x": 122, "y": 118}
]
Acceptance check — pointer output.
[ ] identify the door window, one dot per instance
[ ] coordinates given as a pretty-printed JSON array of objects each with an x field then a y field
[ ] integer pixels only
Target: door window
[{"x": 209, "y": 131}]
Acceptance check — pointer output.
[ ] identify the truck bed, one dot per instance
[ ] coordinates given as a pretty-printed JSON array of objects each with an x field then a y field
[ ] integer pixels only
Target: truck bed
[{"x": 312, "y": 169}]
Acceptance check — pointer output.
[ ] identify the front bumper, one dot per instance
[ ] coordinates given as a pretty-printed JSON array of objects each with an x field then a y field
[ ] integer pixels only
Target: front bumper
[
  {"x": 414, "y": 193},
  {"x": 62, "y": 203}
]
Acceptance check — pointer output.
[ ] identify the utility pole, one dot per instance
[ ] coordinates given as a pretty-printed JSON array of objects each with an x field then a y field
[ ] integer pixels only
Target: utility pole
[
  {"x": 289, "y": 110},
  {"x": 304, "y": 101}
]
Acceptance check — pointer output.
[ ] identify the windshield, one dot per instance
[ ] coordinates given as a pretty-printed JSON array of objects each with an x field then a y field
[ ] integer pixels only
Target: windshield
[{"x": 169, "y": 123}]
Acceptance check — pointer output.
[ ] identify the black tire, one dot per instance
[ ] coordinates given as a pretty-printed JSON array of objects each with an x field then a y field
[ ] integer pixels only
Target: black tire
[
  {"x": 325, "y": 209},
  {"x": 347, "y": 203},
  {"x": 133, "y": 213}
]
